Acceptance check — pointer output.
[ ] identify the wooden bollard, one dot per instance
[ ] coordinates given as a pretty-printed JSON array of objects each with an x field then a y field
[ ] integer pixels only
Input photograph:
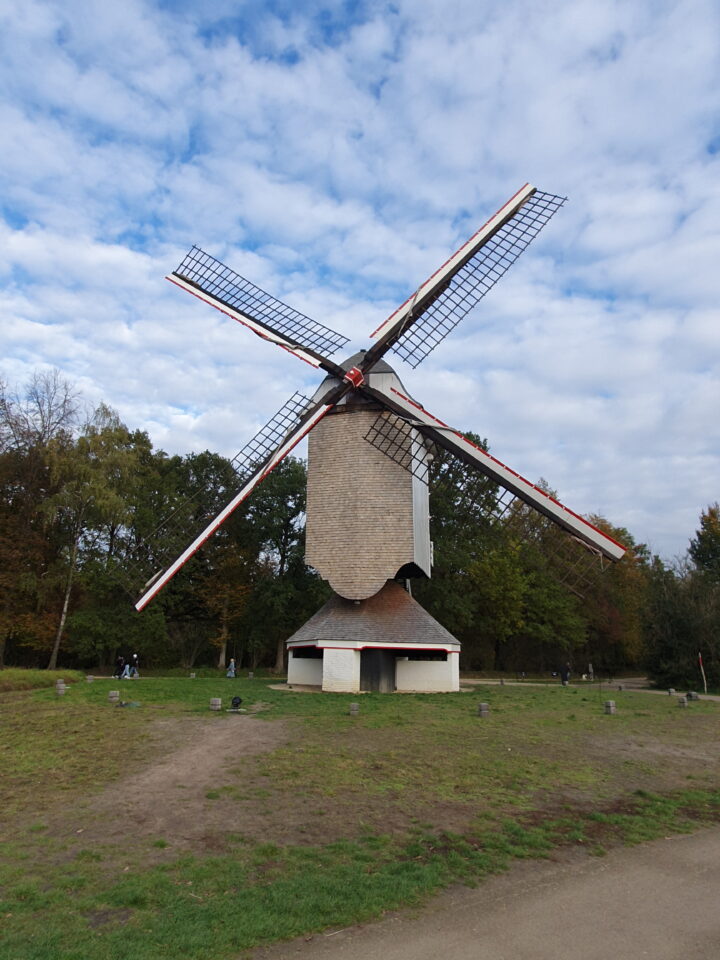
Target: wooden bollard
[
  {"x": 60, "y": 689},
  {"x": 114, "y": 696},
  {"x": 483, "y": 709},
  {"x": 610, "y": 707},
  {"x": 216, "y": 703},
  {"x": 682, "y": 701},
  {"x": 354, "y": 709}
]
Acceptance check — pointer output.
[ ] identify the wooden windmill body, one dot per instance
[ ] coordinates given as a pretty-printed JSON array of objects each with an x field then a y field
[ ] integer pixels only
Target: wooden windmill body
[
  {"x": 369, "y": 450},
  {"x": 367, "y": 516},
  {"x": 368, "y": 532}
]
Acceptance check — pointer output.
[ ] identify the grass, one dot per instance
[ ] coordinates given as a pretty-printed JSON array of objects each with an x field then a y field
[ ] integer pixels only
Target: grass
[
  {"x": 16, "y": 678},
  {"x": 352, "y": 816}
]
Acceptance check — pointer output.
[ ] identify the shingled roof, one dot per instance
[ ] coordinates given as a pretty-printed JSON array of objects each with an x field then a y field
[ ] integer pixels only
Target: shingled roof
[{"x": 390, "y": 616}]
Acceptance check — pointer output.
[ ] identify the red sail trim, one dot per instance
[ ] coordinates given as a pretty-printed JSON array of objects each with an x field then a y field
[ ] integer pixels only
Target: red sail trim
[
  {"x": 258, "y": 333},
  {"x": 452, "y": 255},
  {"x": 489, "y": 456}
]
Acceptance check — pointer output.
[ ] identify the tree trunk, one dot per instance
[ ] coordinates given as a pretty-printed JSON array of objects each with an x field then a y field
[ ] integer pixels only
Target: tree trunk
[
  {"x": 222, "y": 656},
  {"x": 499, "y": 658},
  {"x": 280, "y": 656},
  {"x": 66, "y": 603}
]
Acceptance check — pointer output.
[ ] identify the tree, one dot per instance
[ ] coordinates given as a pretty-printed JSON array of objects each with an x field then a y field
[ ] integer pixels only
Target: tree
[
  {"x": 276, "y": 514},
  {"x": 92, "y": 476},
  {"x": 46, "y": 408},
  {"x": 227, "y": 591},
  {"x": 682, "y": 620},
  {"x": 462, "y": 532},
  {"x": 683, "y": 611},
  {"x": 705, "y": 547},
  {"x": 44, "y": 412}
]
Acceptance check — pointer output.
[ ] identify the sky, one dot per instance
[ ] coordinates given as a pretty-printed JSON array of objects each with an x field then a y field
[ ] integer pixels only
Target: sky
[{"x": 336, "y": 154}]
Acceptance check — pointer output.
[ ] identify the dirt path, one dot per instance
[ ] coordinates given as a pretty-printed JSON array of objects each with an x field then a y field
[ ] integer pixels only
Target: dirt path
[
  {"x": 185, "y": 794},
  {"x": 658, "y": 900}
]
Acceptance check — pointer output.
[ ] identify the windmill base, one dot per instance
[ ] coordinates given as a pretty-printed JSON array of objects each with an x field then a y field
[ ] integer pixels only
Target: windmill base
[{"x": 385, "y": 643}]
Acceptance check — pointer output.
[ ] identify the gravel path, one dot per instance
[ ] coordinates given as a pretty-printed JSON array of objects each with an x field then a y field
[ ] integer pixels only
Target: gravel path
[{"x": 658, "y": 900}]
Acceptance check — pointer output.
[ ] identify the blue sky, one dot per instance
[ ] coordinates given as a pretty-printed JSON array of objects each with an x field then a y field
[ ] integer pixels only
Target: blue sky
[{"x": 335, "y": 154}]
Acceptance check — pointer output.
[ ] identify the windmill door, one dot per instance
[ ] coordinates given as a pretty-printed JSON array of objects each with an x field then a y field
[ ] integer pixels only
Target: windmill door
[{"x": 377, "y": 671}]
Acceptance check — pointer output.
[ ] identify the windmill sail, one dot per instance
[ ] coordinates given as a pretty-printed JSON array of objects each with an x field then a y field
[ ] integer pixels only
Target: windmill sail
[
  {"x": 426, "y": 318},
  {"x": 210, "y": 280},
  {"x": 525, "y": 491},
  {"x": 260, "y": 456},
  {"x": 492, "y": 507}
]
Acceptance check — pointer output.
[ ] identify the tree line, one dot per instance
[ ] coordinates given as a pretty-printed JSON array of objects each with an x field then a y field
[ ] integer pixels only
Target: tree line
[{"x": 89, "y": 509}]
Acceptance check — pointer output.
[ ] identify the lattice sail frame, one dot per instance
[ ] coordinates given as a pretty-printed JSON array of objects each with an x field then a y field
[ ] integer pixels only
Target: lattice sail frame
[
  {"x": 476, "y": 278},
  {"x": 189, "y": 516},
  {"x": 230, "y": 288},
  {"x": 268, "y": 438},
  {"x": 573, "y": 562}
]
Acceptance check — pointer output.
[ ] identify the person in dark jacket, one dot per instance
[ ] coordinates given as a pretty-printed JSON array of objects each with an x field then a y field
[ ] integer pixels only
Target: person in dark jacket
[
  {"x": 119, "y": 667},
  {"x": 565, "y": 674}
]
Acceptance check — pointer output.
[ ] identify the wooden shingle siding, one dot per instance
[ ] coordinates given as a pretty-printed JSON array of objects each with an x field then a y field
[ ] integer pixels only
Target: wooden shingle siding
[{"x": 359, "y": 506}]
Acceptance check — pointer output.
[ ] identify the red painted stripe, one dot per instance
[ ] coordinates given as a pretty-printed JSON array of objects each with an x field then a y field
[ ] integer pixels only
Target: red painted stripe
[
  {"x": 513, "y": 472},
  {"x": 442, "y": 267},
  {"x": 242, "y": 500},
  {"x": 258, "y": 333},
  {"x": 387, "y": 646}
]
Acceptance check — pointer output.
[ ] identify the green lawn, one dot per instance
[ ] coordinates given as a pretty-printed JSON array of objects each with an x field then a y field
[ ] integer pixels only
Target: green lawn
[{"x": 342, "y": 818}]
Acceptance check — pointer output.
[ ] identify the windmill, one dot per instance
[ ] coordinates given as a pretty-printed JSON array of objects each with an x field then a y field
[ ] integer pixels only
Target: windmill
[{"x": 369, "y": 450}]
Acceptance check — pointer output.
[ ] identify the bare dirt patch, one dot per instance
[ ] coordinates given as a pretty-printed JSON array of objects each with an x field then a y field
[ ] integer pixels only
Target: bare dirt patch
[
  {"x": 205, "y": 784},
  {"x": 172, "y": 798}
]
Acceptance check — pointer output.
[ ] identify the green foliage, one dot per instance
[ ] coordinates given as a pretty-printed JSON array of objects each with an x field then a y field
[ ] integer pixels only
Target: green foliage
[
  {"x": 682, "y": 621},
  {"x": 82, "y": 504},
  {"x": 705, "y": 547}
]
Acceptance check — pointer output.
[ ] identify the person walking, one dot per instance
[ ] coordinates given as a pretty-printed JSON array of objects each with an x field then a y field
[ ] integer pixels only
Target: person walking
[
  {"x": 135, "y": 667},
  {"x": 231, "y": 669},
  {"x": 565, "y": 674},
  {"x": 119, "y": 667}
]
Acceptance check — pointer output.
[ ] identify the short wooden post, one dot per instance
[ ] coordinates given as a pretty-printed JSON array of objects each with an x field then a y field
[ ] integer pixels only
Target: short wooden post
[
  {"x": 610, "y": 707},
  {"x": 216, "y": 703},
  {"x": 60, "y": 687},
  {"x": 483, "y": 709},
  {"x": 354, "y": 709}
]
